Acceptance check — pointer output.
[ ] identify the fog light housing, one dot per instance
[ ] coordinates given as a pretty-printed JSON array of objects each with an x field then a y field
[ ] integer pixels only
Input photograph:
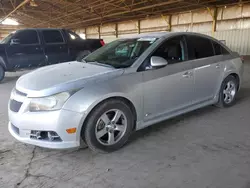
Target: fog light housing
[{"x": 45, "y": 135}]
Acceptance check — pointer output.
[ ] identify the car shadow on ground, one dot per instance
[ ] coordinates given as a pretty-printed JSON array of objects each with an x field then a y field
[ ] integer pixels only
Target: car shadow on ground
[
  {"x": 170, "y": 123},
  {"x": 175, "y": 122}
]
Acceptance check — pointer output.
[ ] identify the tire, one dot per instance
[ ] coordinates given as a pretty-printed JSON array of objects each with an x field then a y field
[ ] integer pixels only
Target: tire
[
  {"x": 83, "y": 54},
  {"x": 2, "y": 73},
  {"x": 224, "y": 101},
  {"x": 98, "y": 124}
]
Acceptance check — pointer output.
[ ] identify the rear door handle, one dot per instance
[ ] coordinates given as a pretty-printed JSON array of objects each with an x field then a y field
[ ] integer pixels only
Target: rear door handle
[{"x": 187, "y": 74}]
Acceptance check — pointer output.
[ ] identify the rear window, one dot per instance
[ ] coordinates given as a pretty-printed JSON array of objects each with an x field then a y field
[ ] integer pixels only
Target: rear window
[
  {"x": 52, "y": 36},
  {"x": 199, "y": 47},
  {"x": 218, "y": 49},
  {"x": 224, "y": 51}
]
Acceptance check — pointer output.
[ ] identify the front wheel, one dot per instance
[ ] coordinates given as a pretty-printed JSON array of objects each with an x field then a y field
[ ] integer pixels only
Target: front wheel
[
  {"x": 228, "y": 91},
  {"x": 109, "y": 126},
  {"x": 2, "y": 73}
]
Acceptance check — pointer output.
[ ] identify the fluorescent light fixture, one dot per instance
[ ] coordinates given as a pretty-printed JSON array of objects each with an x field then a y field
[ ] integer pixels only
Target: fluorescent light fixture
[
  {"x": 82, "y": 35},
  {"x": 9, "y": 21}
]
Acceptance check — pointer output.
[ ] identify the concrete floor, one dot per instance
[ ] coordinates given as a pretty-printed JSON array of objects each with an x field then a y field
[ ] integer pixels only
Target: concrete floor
[{"x": 207, "y": 148}]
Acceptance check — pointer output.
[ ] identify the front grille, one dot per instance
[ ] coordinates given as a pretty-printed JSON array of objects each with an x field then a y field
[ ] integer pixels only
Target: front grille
[
  {"x": 15, "y": 105},
  {"x": 15, "y": 129},
  {"x": 45, "y": 135}
]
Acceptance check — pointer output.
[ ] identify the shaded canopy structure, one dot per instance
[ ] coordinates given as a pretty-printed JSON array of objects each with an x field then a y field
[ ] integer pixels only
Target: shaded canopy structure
[{"x": 82, "y": 13}]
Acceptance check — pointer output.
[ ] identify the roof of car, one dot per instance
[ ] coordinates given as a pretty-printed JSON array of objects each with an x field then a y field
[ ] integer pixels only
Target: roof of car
[
  {"x": 41, "y": 29},
  {"x": 160, "y": 34},
  {"x": 154, "y": 34}
]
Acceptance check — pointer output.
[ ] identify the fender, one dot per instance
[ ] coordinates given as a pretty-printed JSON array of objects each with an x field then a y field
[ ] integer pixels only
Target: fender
[
  {"x": 234, "y": 67},
  {"x": 87, "y": 98}
]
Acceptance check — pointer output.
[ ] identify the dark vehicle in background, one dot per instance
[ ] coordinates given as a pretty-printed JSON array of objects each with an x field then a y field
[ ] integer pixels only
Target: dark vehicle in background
[{"x": 32, "y": 48}]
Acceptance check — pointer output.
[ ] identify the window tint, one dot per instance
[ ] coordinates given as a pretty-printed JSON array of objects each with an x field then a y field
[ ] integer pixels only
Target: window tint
[
  {"x": 224, "y": 51},
  {"x": 172, "y": 50},
  {"x": 52, "y": 36},
  {"x": 217, "y": 48},
  {"x": 199, "y": 47},
  {"x": 27, "y": 37}
]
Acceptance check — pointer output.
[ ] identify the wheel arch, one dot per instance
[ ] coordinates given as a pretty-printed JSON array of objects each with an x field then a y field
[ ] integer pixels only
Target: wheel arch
[
  {"x": 122, "y": 98},
  {"x": 236, "y": 76}
]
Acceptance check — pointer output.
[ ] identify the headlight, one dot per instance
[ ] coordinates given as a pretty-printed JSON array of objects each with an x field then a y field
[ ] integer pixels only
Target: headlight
[{"x": 54, "y": 102}]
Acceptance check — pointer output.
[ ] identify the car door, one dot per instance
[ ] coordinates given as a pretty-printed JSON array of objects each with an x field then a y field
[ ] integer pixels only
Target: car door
[
  {"x": 168, "y": 89},
  {"x": 55, "y": 47},
  {"x": 24, "y": 50},
  {"x": 207, "y": 69}
]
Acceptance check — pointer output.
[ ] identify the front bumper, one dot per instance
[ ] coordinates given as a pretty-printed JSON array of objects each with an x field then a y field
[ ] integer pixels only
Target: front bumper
[{"x": 56, "y": 121}]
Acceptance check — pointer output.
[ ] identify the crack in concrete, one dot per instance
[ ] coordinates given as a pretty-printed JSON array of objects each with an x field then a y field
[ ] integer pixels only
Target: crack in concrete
[
  {"x": 40, "y": 176},
  {"x": 27, "y": 173},
  {"x": 5, "y": 151}
]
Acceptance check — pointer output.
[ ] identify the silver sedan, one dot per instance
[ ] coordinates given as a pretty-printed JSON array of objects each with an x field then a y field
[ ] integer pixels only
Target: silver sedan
[{"x": 122, "y": 87}]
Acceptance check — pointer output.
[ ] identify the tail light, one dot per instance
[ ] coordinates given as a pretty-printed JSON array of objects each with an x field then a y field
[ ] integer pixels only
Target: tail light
[{"x": 102, "y": 42}]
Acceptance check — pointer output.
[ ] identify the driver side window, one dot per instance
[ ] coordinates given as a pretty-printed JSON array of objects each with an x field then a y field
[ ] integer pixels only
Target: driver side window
[
  {"x": 27, "y": 37},
  {"x": 172, "y": 50}
]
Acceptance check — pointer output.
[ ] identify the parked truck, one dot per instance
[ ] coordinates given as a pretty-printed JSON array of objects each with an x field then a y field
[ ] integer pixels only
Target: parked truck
[{"x": 31, "y": 48}]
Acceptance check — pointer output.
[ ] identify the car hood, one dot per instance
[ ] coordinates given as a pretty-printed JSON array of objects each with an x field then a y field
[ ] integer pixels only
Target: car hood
[{"x": 64, "y": 77}]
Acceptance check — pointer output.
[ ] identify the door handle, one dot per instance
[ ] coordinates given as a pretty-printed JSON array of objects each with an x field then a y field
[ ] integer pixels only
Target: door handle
[
  {"x": 187, "y": 74},
  {"x": 217, "y": 66}
]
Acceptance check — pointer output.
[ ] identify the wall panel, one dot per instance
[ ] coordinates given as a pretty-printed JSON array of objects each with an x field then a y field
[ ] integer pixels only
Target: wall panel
[{"x": 233, "y": 25}]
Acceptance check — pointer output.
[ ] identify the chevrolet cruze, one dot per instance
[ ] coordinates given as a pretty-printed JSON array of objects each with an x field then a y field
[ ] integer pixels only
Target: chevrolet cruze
[{"x": 125, "y": 86}]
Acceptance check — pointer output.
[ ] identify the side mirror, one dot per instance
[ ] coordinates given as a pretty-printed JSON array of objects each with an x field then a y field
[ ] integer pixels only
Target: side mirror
[
  {"x": 157, "y": 61},
  {"x": 14, "y": 41}
]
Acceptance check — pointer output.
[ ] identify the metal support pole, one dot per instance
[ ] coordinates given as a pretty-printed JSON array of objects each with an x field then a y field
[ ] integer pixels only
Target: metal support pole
[
  {"x": 170, "y": 23},
  {"x": 215, "y": 20},
  {"x": 214, "y": 17},
  {"x": 99, "y": 32},
  {"x": 139, "y": 26},
  {"x": 116, "y": 30},
  {"x": 85, "y": 30}
]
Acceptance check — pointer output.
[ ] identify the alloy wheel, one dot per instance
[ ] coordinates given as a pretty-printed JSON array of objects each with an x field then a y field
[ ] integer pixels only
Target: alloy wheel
[
  {"x": 111, "y": 127},
  {"x": 229, "y": 92}
]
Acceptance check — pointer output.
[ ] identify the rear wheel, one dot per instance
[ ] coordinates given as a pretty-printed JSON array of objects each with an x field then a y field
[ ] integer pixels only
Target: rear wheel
[
  {"x": 228, "y": 91},
  {"x": 2, "y": 73},
  {"x": 109, "y": 126}
]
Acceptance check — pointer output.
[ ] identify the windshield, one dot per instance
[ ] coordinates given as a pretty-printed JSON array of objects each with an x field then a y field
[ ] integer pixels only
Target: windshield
[
  {"x": 120, "y": 53},
  {"x": 6, "y": 39}
]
